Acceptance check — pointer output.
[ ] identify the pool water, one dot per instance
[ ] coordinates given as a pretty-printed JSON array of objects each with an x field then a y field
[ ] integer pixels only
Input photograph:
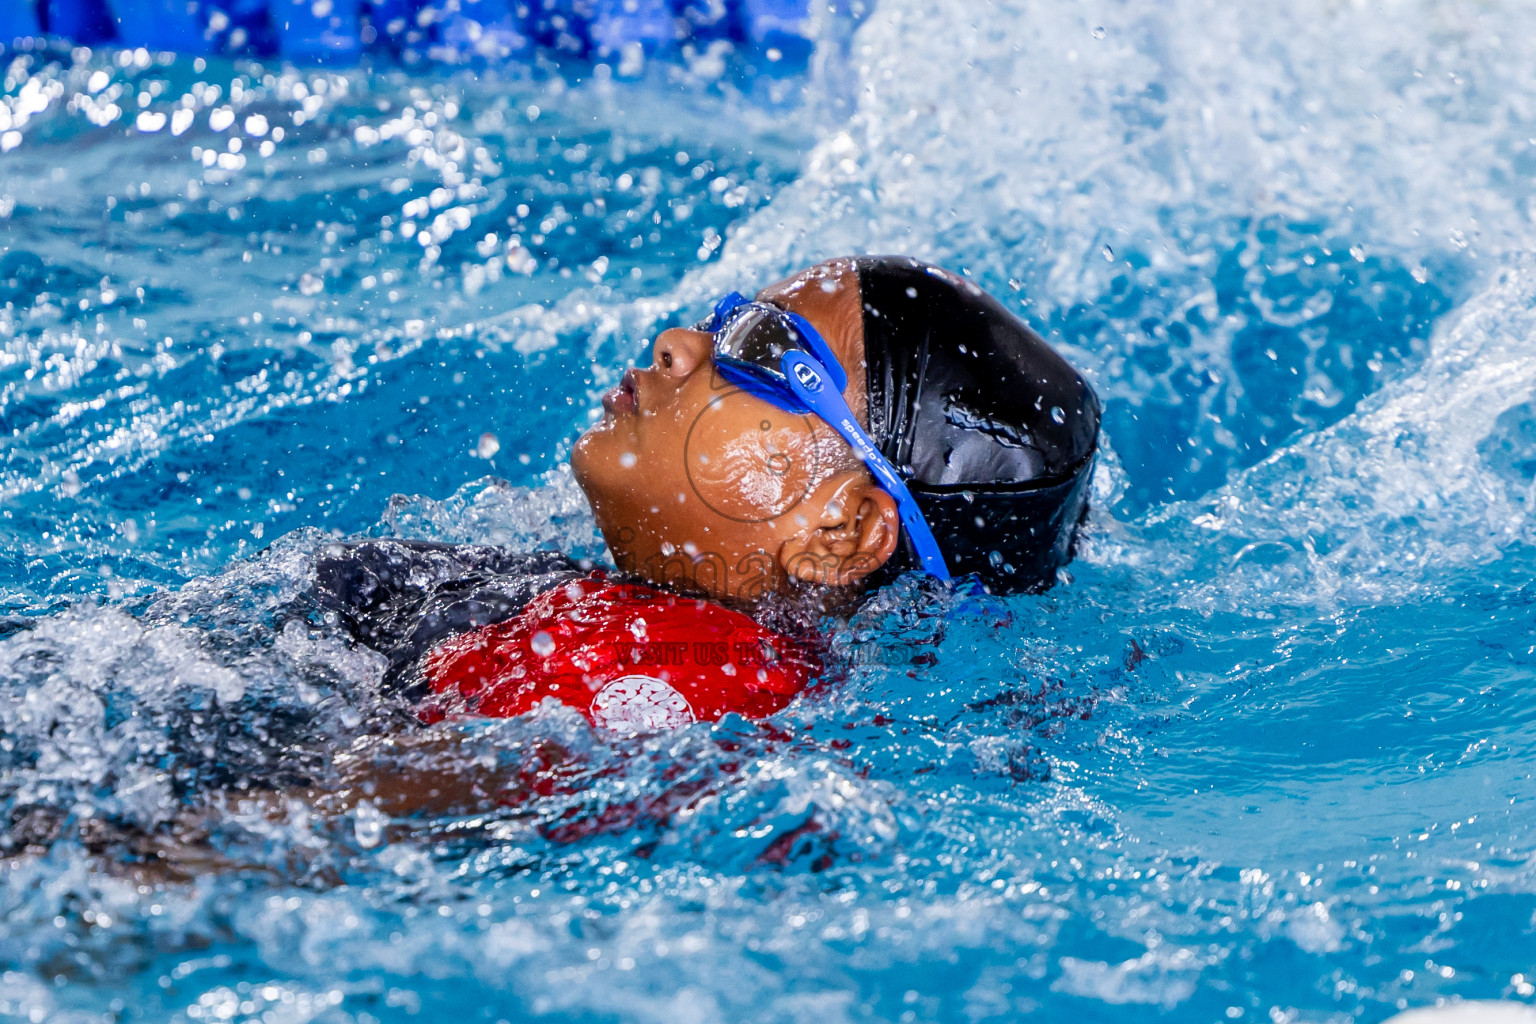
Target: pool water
[{"x": 1265, "y": 754}]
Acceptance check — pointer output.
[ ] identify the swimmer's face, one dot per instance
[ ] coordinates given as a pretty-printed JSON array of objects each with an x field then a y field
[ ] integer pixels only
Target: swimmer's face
[{"x": 698, "y": 485}]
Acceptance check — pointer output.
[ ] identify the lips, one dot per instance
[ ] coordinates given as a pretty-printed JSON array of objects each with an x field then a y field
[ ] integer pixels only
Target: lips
[{"x": 625, "y": 398}]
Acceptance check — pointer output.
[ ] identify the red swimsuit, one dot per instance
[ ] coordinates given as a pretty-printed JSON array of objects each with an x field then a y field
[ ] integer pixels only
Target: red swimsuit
[{"x": 629, "y": 658}]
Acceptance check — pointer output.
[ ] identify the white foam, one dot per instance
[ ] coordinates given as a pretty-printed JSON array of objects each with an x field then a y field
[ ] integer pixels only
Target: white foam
[
  {"x": 1392, "y": 494},
  {"x": 553, "y": 515},
  {"x": 1040, "y": 131},
  {"x": 1470, "y": 1012}
]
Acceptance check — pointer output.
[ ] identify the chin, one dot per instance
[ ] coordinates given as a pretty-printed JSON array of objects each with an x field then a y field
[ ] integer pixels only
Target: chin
[
  {"x": 594, "y": 465},
  {"x": 585, "y": 455}
]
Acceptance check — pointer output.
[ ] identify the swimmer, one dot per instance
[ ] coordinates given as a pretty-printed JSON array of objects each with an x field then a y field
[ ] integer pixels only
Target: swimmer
[
  {"x": 771, "y": 464},
  {"x": 864, "y": 417}
]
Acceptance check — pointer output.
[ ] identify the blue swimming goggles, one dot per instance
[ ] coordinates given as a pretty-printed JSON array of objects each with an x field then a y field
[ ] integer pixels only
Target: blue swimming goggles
[{"x": 777, "y": 356}]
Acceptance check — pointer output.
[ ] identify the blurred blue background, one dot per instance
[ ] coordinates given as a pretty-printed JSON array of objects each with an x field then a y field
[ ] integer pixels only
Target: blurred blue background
[{"x": 341, "y": 31}]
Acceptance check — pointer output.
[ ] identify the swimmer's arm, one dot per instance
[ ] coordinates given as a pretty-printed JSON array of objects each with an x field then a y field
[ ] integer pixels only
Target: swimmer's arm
[
  {"x": 410, "y": 776},
  {"x": 407, "y": 778},
  {"x": 432, "y": 774}
]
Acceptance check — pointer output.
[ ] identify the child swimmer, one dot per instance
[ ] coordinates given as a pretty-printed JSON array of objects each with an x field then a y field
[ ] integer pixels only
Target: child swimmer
[{"x": 863, "y": 417}]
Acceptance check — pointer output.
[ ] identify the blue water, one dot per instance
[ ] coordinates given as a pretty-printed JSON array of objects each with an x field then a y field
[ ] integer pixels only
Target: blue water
[{"x": 1264, "y": 754}]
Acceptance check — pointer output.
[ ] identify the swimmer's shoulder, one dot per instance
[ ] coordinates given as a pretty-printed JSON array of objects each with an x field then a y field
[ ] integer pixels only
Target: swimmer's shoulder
[
  {"x": 402, "y": 596},
  {"x": 343, "y": 567}
]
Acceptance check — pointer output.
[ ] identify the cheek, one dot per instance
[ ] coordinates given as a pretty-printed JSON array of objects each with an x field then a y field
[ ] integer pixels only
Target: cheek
[{"x": 748, "y": 462}]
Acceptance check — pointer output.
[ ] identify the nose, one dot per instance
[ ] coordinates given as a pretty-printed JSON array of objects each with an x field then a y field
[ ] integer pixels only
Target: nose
[{"x": 679, "y": 351}]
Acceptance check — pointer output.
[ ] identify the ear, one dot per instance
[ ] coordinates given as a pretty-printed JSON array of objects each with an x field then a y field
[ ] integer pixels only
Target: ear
[{"x": 852, "y": 529}]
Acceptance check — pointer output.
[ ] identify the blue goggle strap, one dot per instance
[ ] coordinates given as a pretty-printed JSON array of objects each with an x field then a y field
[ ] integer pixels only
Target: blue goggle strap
[
  {"x": 822, "y": 353},
  {"x": 808, "y": 380},
  {"x": 724, "y": 308}
]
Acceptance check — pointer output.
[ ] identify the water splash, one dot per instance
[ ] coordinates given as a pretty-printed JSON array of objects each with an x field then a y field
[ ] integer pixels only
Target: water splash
[{"x": 1262, "y": 755}]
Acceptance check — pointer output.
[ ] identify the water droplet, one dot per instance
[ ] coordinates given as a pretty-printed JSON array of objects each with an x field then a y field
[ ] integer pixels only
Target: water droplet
[
  {"x": 1098, "y": 32},
  {"x": 543, "y": 644},
  {"x": 367, "y": 825},
  {"x": 1057, "y": 416},
  {"x": 1109, "y": 254},
  {"x": 627, "y": 460},
  {"x": 309, "y": 284},
  {"x": 488, "y": 446}
]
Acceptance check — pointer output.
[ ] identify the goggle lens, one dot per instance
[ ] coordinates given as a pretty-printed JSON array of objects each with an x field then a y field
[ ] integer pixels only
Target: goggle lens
[{"x": 759, "y": 336}]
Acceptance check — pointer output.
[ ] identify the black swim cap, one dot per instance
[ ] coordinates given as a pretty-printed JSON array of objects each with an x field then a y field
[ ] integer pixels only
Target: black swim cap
[{"x": 994, "y": 432}]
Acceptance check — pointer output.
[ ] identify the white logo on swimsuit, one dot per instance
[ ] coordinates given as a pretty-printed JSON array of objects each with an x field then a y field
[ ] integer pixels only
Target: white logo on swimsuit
[
  {"x": 808, "y": 377},
  {"x": 631, "y": 705}
]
